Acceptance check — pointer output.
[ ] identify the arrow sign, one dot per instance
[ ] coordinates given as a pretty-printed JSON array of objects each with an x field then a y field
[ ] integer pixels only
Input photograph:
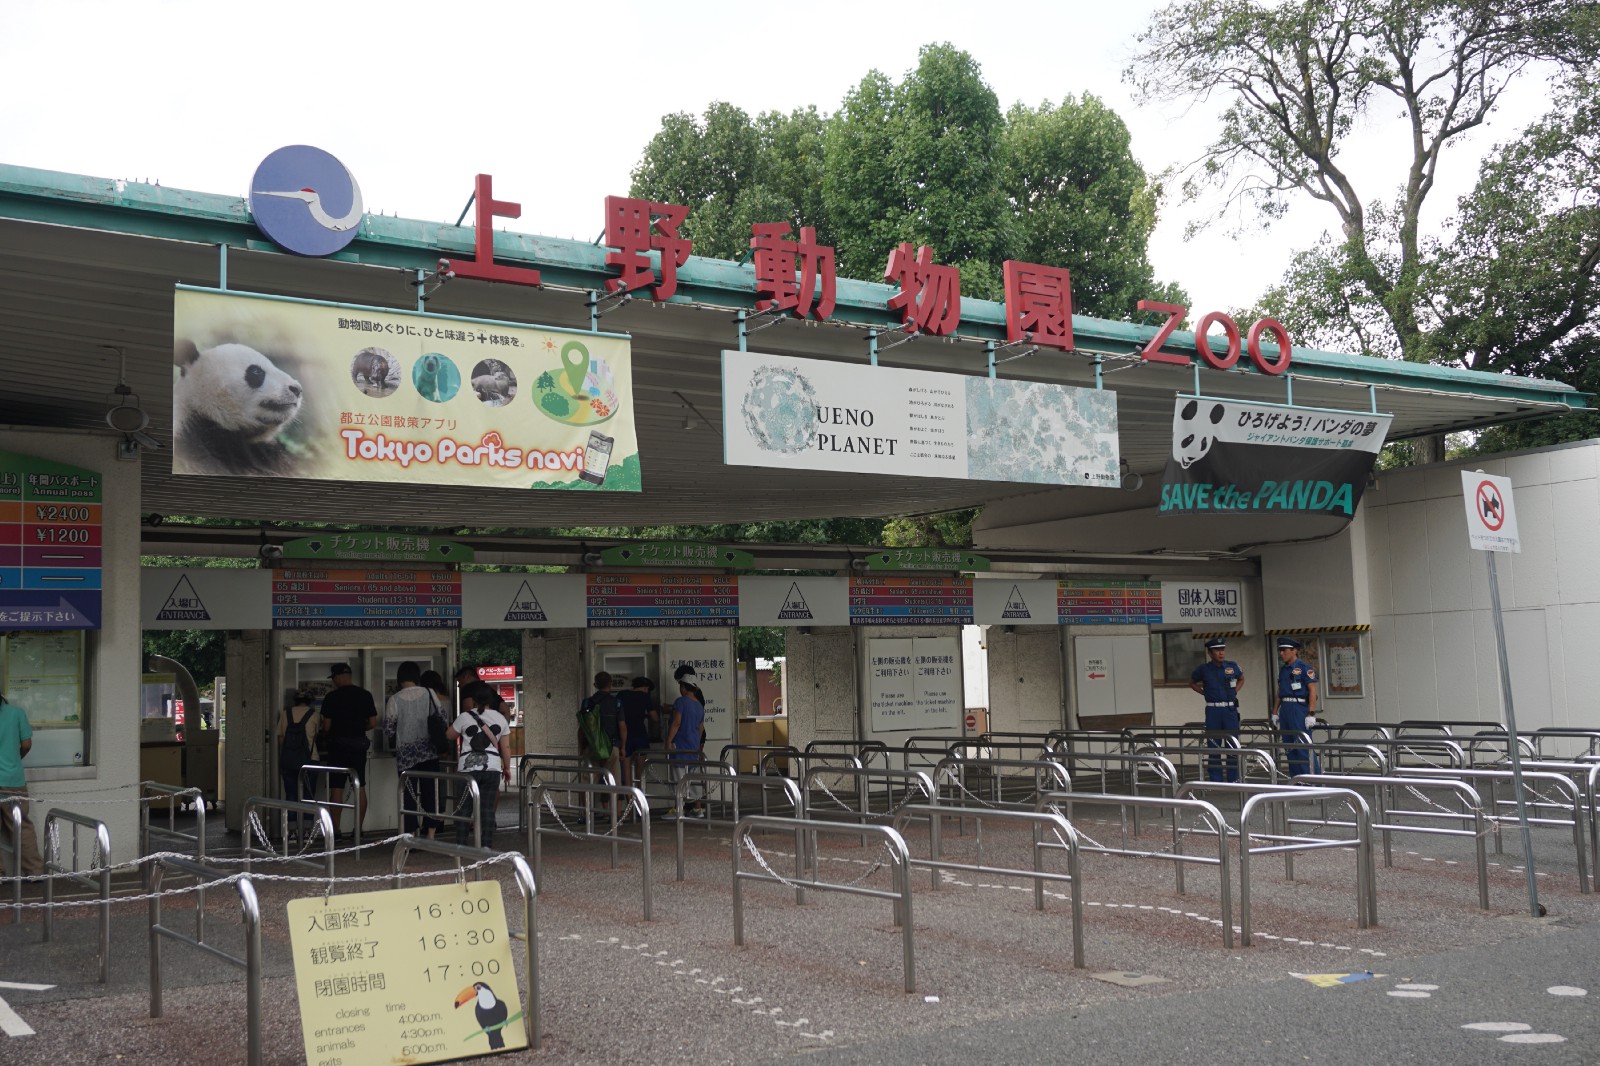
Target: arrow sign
[{"x": 1096, "y": 677}]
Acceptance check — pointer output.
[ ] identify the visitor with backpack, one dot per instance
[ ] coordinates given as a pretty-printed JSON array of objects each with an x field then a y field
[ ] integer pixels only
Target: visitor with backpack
[
  {"x": 480, "y": 732},
  {"x": 297, "y": 731},
  {"x": 602, "y": 731}
]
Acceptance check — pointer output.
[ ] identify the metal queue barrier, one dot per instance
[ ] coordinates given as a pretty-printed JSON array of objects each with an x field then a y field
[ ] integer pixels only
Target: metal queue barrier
[
  {"x": 1038, "y": 822},
  {"x": 1386, "y": 810},
  {"x": 408, "y": 843},
  {"x": 705, "y": 776},
  {"x": 925, "y": 752},
  {"x": 1165, "y": 773},
  {"x": 864, "y": 778},
  {"x": 1585, "y": 773},
  {"x": 1252, "y": 761},
  {"x": 1570, "y": 802},
  {"x": 468, "y": 794},
  {"x": 636, "y": 800},
  {"x": 1012, "y": 745},
  {"x": 97, "y": 876},
  {"x": 1275, "y": 800},
  {"x": 284, "y": 808},
  {"x": 1489, "y": 749},
  {"x": 1177, "y": 856},
  {"x": 154, "y": 792},
  {"x": 538, "y": 767},
  {"x": 954, "y": 770},
  {"x": 760, "y": 751},
  {"x": 799, "y": 764},
  {"x": 865, "y": 750},
  {"x": 312, "y": 773},
  {"x": 1445, "y": 727},
  {"x": 250, "y": 963},
  {"x": 805, "y": 834},
  {"x": 11, "y": 811},
  {"x": 1550, "y": 737}
]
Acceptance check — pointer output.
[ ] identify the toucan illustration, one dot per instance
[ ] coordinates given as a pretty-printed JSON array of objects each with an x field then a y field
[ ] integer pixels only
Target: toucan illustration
[{"x": 491, "y": 1012}]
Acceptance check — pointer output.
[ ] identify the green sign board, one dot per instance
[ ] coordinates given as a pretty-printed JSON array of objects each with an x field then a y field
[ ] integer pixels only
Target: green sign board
[
  {"x": 926, "y": 559},
  {"x": 676, "y": 553},
  {"x": 378, "y": 547}
]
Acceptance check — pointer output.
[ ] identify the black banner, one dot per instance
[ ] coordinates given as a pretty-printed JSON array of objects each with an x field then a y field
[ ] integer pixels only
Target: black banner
[{"x": 1230, "y": 457}]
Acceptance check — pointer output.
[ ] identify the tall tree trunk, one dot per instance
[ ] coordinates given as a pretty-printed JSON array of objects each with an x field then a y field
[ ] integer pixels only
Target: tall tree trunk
[{"x": 1428, "y": 450}]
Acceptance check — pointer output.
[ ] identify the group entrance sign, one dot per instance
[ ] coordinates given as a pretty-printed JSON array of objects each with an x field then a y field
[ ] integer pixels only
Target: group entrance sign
[{"x": 1492, "y": 528}]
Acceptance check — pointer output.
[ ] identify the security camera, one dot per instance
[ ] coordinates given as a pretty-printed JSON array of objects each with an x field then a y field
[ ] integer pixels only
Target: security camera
[{"x": 272, "y": 553}]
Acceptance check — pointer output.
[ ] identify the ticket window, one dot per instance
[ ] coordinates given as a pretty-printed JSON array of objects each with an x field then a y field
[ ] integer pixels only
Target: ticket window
[{"x": 306, "y": 670}]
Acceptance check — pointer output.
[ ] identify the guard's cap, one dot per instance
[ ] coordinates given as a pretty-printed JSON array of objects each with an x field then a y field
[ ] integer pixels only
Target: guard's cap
[
  {"x": 1289, "y": 642},
  {"x": 1216, "y": 642},
  {"x": 339, "y": 668}
]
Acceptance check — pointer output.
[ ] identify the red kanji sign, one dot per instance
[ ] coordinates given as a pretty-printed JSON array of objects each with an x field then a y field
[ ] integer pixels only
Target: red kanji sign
[
  {"x": 483, "y": 265},
  {"x": 776, "y": 260},
  {"x": 1039, "y": 302},
  {"x": 929, "y": 299},
  {"x": 637, "y": 227}
]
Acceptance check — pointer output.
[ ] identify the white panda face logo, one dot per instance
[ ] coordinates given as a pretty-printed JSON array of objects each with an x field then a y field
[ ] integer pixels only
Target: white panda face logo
[{"x": 1195, "y": 431}]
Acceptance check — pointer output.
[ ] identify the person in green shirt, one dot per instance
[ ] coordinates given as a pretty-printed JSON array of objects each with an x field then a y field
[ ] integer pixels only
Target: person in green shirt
[{"x": 16, "y": 738}]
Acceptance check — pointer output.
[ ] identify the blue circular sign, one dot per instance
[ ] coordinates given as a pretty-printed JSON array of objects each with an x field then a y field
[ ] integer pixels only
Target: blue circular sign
[{"x": 306, "y": 201}]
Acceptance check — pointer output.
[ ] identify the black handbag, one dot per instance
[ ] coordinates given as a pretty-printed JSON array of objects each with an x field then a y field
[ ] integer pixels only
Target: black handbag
[{"x": 436, "y": 726}]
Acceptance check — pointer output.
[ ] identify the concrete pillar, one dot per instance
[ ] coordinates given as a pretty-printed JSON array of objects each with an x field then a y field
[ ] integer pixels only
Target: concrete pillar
[{"x": 553, "y": 685}]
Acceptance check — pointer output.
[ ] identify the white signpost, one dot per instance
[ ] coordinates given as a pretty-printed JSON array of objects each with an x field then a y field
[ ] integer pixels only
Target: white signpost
[{"x": 1492, "y": 528}]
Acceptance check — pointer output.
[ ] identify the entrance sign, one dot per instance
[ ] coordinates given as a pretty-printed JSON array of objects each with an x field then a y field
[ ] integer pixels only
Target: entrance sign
[
  {"x": 1201, "y": 602},
  {"x": 406, "y": 975},
  {"x": 914, "y": 683},
  {"x": 205, "y": 597},
  {"x": 50, "y": 544},
  {"x": 813, "y": 414},
  {"x": 270, "y": 387},
  {"x": 1491, "y": 518},
  {"x": 1230, "y": 457},
  {"x": 794, "y": 600}
]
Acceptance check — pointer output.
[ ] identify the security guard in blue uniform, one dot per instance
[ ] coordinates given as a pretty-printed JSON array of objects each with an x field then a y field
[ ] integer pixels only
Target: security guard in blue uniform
[
  {"x": 1219, "y": 679},
  {"x": 1295, "y": 711}
]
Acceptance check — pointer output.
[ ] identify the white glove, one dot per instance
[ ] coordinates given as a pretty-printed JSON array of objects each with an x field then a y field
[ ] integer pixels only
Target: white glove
[
  {"x": 1311, "y": 720},
  {"x": 1274, "y": 721}
]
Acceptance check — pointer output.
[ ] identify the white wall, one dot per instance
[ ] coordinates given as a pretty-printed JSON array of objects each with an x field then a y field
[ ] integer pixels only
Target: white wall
[{"x": 114, "y": 658}]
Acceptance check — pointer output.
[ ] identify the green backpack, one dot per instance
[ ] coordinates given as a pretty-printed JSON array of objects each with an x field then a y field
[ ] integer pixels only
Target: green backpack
[{"x": 594, "y": 733}]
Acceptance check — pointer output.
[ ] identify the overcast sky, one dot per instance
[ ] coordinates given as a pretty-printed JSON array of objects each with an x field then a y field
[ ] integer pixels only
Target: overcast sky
[{"x": 555, "y": 101}]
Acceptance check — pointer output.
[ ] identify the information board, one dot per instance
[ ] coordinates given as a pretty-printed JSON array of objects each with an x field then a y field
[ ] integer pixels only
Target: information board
[
  {"x": 905, "y": 599},
  {"x": 405, "y": 975},
  {"x": 366, "y": 599},
  {"x": 914, "y": 683},
  {"x": 50, "y": 544},
  {"x": 620, "y": 600},
  {"x": 1081, "y": 601}
]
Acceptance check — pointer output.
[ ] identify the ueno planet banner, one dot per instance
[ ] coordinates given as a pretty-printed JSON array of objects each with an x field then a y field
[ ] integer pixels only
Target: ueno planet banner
[
  {"x": 814, "y": 414},
  {"x": 272, "y": 387},
  {"x": 1230, "y": 457}
]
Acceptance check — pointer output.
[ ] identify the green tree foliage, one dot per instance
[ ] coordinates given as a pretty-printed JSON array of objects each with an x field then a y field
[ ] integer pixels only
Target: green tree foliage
[
  {"x": 1511, "y": 284},
  {"x": 926, "y": 160}
]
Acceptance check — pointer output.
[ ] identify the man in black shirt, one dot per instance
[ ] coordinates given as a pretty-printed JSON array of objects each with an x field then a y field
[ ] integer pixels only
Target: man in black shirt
[{"x": 347, "y": 713}]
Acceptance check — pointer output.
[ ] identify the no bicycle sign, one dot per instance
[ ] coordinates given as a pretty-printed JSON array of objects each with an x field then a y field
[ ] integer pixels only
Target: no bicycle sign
[{"x": 1491, "y": 518}]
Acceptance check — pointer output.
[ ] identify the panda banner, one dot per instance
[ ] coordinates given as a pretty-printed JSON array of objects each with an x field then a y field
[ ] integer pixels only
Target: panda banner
[
  {"x": 1230, "y": 457},
  {"x": 273, "y": 387}
]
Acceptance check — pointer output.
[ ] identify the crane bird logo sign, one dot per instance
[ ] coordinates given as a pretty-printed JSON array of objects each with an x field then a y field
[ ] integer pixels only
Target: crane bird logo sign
[{"x": 306, "y": 201}]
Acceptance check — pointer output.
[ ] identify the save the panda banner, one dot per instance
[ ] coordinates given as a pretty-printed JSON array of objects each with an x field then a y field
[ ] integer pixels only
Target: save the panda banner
[
  {"x": 1230, "y": 457},
  {"x": 272, "y": 387}
]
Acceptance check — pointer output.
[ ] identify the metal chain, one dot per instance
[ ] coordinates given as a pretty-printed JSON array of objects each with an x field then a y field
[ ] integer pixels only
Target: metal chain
[
  {"x": 258, "y": 877},
  {"x": 750, "y": 846}
]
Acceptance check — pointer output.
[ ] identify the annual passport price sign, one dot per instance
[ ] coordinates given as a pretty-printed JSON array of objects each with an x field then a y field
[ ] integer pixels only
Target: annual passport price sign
[
  {"x": 904, "y": 599},
  {"x": 50, "y": 544},
  {"x": 405, "y": 975},
  {"x": 618, "y": 600},
  {"x": 366, "y": 599}
]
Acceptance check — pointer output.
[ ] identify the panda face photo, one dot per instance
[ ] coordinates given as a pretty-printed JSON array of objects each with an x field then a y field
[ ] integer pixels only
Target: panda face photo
[
  {"x": 494, "y": 383},
  {"x": 1196, "y": 431},
  {"x": 375, "y": 372},
  {"x": 436, "y": 378},
  {"x": 231, "y": 404}
]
